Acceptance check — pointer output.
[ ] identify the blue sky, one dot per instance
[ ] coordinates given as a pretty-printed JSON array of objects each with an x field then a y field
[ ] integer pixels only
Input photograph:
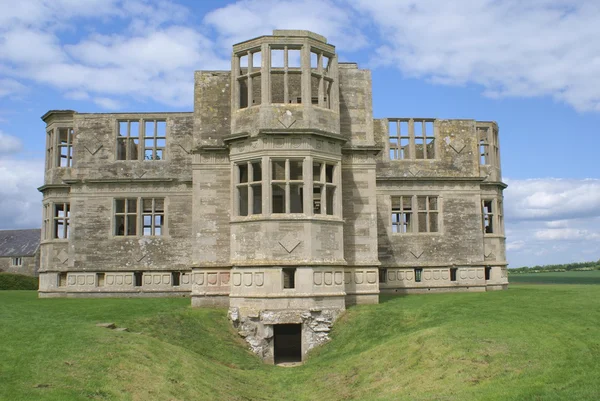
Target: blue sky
[{"x": 534, "y": 67}]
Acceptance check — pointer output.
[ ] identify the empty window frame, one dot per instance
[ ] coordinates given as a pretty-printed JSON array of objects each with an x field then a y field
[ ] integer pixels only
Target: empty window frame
[
  {"x": 128, "y": 140},
  {"x": 65, "y": 147},
  {"x": 153, "y": 216},
  {"x": 411, "y": 139},
  {"x": 248, "y": 188},
  {"x": 402, "y": 214},
  {"x": 453, "y": 271},
  {"x": 249, "y": 78},
  {"x": 126, "y": 217},
  {"x": 17, "y": 262},
  {"x": 321, "y": 81},
  {"x": 427, "y": 207},
  {"x": 47, "y": 222},
  {"x": 489, "y": 150},
  {"x": 488, "y": 212},
  {"x": 403, "y": 209},
  {"x": 382, "y": 275},
  {"x": 128, "y": 213},
  {"x": 500, "y": 214},
  {"x": 59, "y": 147},
  {"x": 289, "y": 277},
  {"x": 176, "y": 279},
  {"x": 61, "y": 220},
  {"x": 286, "y": 75},
  {"x": 50, "y": 158},
  {"x": 418, "y": 275},
  {"x": 62, "y": 279},
  {"x": 324, "y": 188},
  {"x": 137, "y": 279},
  {"x": 155, "y": 139},
  {"x": 100, "y": 279},
  {"x": 488, "y": 273},
  {"x": 287, "y": 186}
]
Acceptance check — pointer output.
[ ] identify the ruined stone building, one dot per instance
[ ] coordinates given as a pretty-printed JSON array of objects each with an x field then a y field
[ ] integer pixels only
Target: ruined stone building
[
  {"x": 279, "y": 196},
  {"x": 20, "y": 251}
]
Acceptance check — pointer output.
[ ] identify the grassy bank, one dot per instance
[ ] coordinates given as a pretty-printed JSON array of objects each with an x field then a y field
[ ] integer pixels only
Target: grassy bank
[{"x": 527, "y": 343}]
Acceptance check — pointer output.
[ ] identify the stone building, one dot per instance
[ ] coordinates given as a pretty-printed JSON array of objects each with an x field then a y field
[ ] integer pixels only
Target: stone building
[
  {"x": 20, "y": 251},
  {"x": 279, "y": 196}
]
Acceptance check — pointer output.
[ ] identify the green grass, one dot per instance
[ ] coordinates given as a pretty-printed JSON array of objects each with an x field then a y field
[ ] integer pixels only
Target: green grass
[
  {"x": 527, "y": 343},
  {"x": 569, "y": 277},
  {"x": 9, "y": 281}
]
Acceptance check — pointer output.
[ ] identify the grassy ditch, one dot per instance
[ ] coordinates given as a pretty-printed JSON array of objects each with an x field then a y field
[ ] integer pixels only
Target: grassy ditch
[{"x": 527, "y": 343}]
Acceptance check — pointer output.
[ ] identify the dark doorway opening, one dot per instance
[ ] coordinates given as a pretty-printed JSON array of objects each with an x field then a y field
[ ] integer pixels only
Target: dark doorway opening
[{"x": 288, "y": 343}]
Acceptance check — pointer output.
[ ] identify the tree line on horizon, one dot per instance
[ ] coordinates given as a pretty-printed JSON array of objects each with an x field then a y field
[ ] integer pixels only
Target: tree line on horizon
[{"x": 595, "y": 265}]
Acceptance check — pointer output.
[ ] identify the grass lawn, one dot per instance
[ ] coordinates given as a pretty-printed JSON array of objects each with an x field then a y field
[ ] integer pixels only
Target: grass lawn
[
  {"x": 571, "y": 277},
  {"x": 527, "y": 343}
]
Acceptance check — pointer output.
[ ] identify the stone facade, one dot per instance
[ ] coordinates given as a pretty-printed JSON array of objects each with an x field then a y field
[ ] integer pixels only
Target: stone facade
[{"x": 284, "y": 209}]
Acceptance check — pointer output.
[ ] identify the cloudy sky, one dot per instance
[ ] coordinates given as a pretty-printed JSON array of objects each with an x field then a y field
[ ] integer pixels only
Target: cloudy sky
[{"x": 532, "y": 66}]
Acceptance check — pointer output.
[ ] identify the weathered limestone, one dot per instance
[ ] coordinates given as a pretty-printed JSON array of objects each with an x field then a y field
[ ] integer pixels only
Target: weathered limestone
[{"x": 279, "y": 197}]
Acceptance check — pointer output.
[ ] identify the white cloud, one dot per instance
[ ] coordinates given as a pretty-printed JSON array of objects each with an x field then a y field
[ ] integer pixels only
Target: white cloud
[
  {"x": 10, "y": 87},
  {"x": 9, "y": 144},
  {"x": 552, "y": 221},
  {"x": 510, "y": 47},
  {"x": 107, "y": 103},
  {"x": 552, "y": 199},
  {"x": 250, "y": 18},
  {"x": 20, "y": 201},
  {"x": 151, "y": 58}
]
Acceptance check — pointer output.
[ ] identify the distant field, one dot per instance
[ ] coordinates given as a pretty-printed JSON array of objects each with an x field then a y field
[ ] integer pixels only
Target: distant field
[
  {"x": 572, "y": 277},
  {"x": 528, "y": 343}
]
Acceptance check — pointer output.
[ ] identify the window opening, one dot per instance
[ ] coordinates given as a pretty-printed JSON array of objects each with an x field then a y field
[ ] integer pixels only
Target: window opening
[
  {"x": 50, "y": 149},
  {"x": 137, "y": 279},
  {"x": 175, "y": 278},
  {"x": 402, "y": 212},
  {"x": 286, "y": 75},
  {"x": 17, "y": 262},
  {"x": 428, "y": 214},
  {"x": 488, "y": 216},
  {"x": 289, "y": 277},
  {"x": 453, "y": 271},
  {"x": 321, "y": 81},
  {"x": 249, "y": 78},
  {"x": 411, "y": 139},
  {"x": 382, "y": 275},
  {"x": 249, "y": 188},
  {"x": 62, "y": 279},
  {"x": 324, "y": 188},
  {"x": 126, "y": 217},
  {"x": 65, "y": 147},
  {"x": 100, "y": 279},
  {"x": 62, "y": 216},
  {"x": 488, "y": 272},
  {"x": 128, "y": 140},
  {"x": 153, "y": 215},
  {"x": 418, "y": 275},
  {"x": 287, "y": 185},
  {"x": 155, "y": 139}
]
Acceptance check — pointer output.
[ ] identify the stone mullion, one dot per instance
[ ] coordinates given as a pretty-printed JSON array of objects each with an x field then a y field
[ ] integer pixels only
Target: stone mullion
[
  {"x": 266, "y": 186},
  {"x": 250, "y": 192},
  {"x": 286, "y": 94},
  {"x": 287, "y": 186},
  {"x": 306, "y": 75},
  {"x": 321, "y": 100},
  {"x": 265, "y": 74},
  {"x": 411, "y": 139},
  {"x": 249, "y": 78},
  {"x": 308, "y": 184}
]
